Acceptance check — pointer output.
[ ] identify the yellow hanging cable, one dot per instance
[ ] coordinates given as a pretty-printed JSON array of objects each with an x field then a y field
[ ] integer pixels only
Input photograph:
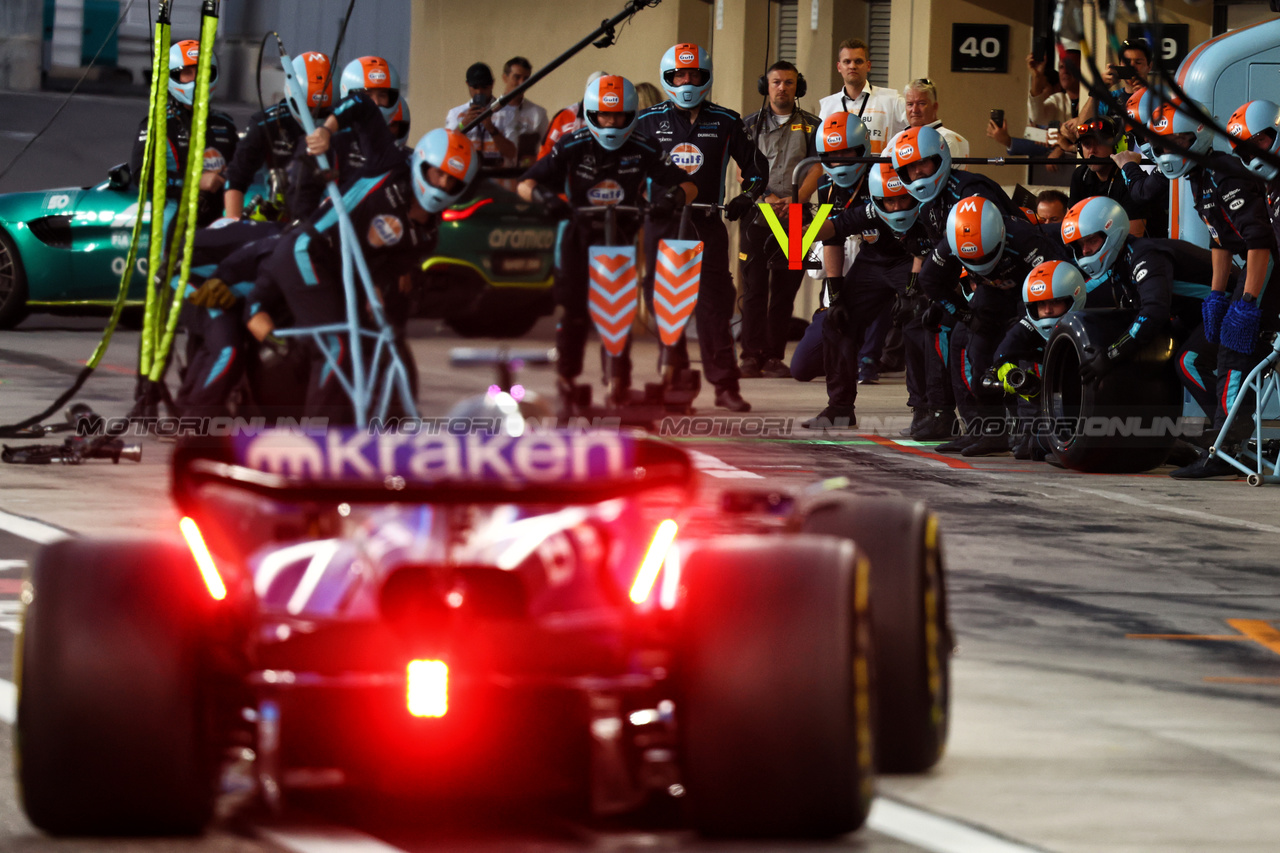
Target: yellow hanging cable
[
  {"x": 159, "y": 132},
  {"x": 148, "y": 162},
  {"x": 191, "y": 185}
]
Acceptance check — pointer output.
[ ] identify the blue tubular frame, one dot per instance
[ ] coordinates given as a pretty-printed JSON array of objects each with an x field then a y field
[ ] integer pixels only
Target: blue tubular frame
[
  {"x": 361, "y": 384},
  {"x": 1264, "y": 382}
]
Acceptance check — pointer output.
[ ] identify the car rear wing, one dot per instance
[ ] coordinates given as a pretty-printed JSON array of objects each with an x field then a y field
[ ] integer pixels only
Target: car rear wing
[{"x": 354, "y": 465}]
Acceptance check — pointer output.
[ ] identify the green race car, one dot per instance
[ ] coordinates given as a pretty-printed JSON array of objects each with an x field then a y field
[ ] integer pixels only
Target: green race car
[{"x": 65, "y": 249}]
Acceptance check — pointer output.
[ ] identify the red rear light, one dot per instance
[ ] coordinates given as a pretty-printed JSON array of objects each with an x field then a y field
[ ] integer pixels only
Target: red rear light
[
  {"x": 428, "y": 688},
  {"x": 652, "y": 562},
  {"x": 204, "y": 560},
  {"x": 452, "y": 215}
]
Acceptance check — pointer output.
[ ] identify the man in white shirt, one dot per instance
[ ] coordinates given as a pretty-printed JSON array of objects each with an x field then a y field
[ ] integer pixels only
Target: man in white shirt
[
  {"x": 521, "y": 121},
  {"x": 494, "y": 147},
  {"x": 921, "y": 100},
  {"x": 881, "y": 110}
]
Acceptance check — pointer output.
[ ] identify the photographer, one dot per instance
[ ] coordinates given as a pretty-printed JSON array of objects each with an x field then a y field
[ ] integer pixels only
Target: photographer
[
  {"x": 1123, "y": 79},
  {"x": 495, "y": 148},
  {"x": 1053, "y": 103}
]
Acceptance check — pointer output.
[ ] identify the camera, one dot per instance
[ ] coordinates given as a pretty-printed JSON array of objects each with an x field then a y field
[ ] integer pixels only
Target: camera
[
  {"x": 1124, "y": 72},
  {"x": 479, "y": 100},
  {"x": 998, "y": 117}
]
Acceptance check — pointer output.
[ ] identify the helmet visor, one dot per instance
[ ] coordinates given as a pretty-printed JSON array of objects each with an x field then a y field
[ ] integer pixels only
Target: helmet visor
[{"x": 697, "y": 77}]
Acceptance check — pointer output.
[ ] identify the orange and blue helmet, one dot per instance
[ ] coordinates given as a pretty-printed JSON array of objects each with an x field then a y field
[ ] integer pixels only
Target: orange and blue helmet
[
  {"x": 685, "y": 57},
  {"x": 1049, "y": 282},
  {"x": 311, "y": 70},
  {"x": 186, "y": 54},
  {"x": 372, "y": 72},
  {"x": 1170, "y": 120},
  {"x": 976, "y": 234},
  {"x": 1096, "y": 215},
  {"x": 453, "y": 154},
  {"x": 1250, "y": 124},
  {"x": 611, "y": 94},
  {"x": 883, "y": 183},
  {"x": 842, "y": 133}
]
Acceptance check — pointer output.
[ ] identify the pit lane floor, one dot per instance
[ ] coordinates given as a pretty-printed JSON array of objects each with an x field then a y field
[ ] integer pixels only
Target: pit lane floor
[{"x": 1117, "y": 676}]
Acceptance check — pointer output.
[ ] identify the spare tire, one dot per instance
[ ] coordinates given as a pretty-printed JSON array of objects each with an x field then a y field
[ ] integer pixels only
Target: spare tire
[{"x": 1126, "y": 421}]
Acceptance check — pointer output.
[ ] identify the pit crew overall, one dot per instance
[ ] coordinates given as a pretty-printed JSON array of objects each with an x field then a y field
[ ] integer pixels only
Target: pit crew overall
[
  {"x": 702, "y": 149},
  {"x": 220, "y": 142},
  {"x": 271, "y": 141}
]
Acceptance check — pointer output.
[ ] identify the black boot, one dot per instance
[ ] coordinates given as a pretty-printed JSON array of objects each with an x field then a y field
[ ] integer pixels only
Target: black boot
[
  {"x": 988, "y": 445},
  {"x": 919, "y": 416},
  {"x": 941, "y": 426},
  {"x": 832, "y": 417}
]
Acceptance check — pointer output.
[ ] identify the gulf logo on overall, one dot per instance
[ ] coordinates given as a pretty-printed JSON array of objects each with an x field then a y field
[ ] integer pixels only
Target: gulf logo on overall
[
  {"x": 605, "y": 193},
  {"x": 213, "y": 160},
  {"x": 613, "y": 295},
  {"x": 687, "y": 156},
  {"x": 385, "y": 230}
]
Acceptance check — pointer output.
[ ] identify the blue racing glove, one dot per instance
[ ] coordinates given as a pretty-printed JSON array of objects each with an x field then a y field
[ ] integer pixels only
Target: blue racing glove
[
  {"x": 1240, "y": 326},
  {"x": 1213, "y": 310}
]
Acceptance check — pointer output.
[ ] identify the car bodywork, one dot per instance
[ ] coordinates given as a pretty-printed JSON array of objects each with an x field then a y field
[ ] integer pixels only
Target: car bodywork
[{"x": 493, "y": 261}]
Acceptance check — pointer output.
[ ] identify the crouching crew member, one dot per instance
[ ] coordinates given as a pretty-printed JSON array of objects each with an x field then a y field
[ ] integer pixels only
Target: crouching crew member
[
  {"x": 605, "y": 162},
  {"x": 393, "y": 213}
]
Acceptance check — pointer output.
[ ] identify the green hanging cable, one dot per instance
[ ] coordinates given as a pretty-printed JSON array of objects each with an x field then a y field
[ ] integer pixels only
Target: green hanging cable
[
  {"x": 191, "y": 185},
  {"x": 148, "y": 162},
  {"x": 156, "y": 132}
]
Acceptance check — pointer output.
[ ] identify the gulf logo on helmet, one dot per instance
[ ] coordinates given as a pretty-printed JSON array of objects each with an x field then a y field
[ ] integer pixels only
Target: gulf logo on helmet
[
  {"x": 193, "y": 53},
  {"x": 969, "y": 249},
  {"x": 687, "y": 156},
  {"x": 605, "y": 193},
  {"x": 894, "y": 186},
  {"x": 1238, "y": 129},
  {"x": 377, "y": 75},
  {"x": 835, "y": 141},
  {"x": 385, "y": 230},
  {"x": 1068, "y": 230},
  {"x": 1037, "y": 288},
  {"x": 609, "y": 100},
  {"x": 686, "y": 56},
  {"x": 906, "y": 152}
]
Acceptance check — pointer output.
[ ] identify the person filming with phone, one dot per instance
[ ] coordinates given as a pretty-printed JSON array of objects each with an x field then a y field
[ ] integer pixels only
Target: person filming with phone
[{"x": 494, "y": 147}]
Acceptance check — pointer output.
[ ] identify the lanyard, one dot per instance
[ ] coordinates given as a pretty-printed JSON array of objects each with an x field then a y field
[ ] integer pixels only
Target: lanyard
[{"x": 866, "y": 96}]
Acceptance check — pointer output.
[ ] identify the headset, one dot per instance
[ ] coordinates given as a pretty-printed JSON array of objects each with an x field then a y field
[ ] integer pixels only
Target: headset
[{"x": 762, "y": 85}]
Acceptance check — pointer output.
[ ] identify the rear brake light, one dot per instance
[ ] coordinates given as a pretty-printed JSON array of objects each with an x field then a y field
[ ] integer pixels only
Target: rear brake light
[
  {"x": 452, "y": 215},
  {"x": 204, "y": 560},
  {"x": 428, "y": 692},
  {"x": 653, "y": 559}
]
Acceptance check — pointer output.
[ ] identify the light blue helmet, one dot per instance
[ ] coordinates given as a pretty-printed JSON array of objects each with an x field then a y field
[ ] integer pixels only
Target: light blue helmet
[
  {"x": 1139, "y": 108},
  {"x": 1049, "y": 282},
  {"x": 883, "y": 183},
  {"x": 611, "y": 94},
  {"x": 1248, "y": 123},
  {"x": 1169, "y": 119},
  {"x": 919, "y": 144},
  {"x": 843, "y": 132},
  {"x": 680, "y": 58},
  {"x": 186, "y": 54},
  {"x": 1096, "y": 215},
  {"x": 371, "y": 72},
  {"x": 450, "y": 152},
  {"x": 976, "y": 234}
]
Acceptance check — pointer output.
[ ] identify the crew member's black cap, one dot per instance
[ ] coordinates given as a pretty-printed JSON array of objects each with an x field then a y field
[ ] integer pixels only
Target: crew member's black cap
[{"x": 479, "y": 75}]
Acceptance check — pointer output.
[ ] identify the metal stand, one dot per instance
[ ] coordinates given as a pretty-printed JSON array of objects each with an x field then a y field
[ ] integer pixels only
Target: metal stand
[{"x": 1264, "y": 382}]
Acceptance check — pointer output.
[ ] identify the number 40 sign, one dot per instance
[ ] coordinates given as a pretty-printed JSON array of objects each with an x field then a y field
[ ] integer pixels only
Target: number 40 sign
[{"x": 982, "y": 48}]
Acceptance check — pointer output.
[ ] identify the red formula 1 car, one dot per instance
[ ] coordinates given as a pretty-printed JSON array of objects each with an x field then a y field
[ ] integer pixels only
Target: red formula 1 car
[{"x": 562, "y": 613}]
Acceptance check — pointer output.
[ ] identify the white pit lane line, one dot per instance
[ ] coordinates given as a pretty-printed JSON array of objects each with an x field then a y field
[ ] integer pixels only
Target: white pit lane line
[
  {"x": 29, "y": 528},
  {"x": 328, "y": 839},
  {"x": 936, "y": 833}
]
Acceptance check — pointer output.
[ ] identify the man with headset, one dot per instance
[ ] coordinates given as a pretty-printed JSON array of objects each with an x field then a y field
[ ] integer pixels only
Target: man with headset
[
  {"x": 784, "y": 133},
  {"x": 882, "y": 111}
]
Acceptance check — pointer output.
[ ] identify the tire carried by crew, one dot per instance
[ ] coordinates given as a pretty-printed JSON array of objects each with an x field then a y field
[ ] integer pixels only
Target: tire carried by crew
[
  {"x": 1124, "y": 422},
  {"x": 911, "y": 638},
  {"x": 115, "y": 730},
  {"x": 776, "y": 687}
]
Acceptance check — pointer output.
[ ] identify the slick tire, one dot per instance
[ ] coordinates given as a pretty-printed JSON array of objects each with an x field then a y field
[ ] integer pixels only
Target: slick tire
[
  {"x": 113, "y": 734},
  {"x": 775, "y": 685},
  {"x": 1122, "y": 423},
  {"x": 13, "y": 284},
  {"x": 910, "y": 633}
]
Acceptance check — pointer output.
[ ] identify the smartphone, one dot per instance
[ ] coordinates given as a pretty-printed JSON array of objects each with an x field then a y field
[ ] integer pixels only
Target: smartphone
[
  {"x": 998, "y": 117},
  {"x": 479, "y": 100}
]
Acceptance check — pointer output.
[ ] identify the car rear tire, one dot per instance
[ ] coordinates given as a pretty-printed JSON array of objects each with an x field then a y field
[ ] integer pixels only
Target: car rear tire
[
  {"x": 910, "y": 634},
  {"x": 1142, "y": 392},
  {"x": 113, "y": 732},
  {"x": 776, "y": 694},
  {"x": 13, "y": 284}
]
